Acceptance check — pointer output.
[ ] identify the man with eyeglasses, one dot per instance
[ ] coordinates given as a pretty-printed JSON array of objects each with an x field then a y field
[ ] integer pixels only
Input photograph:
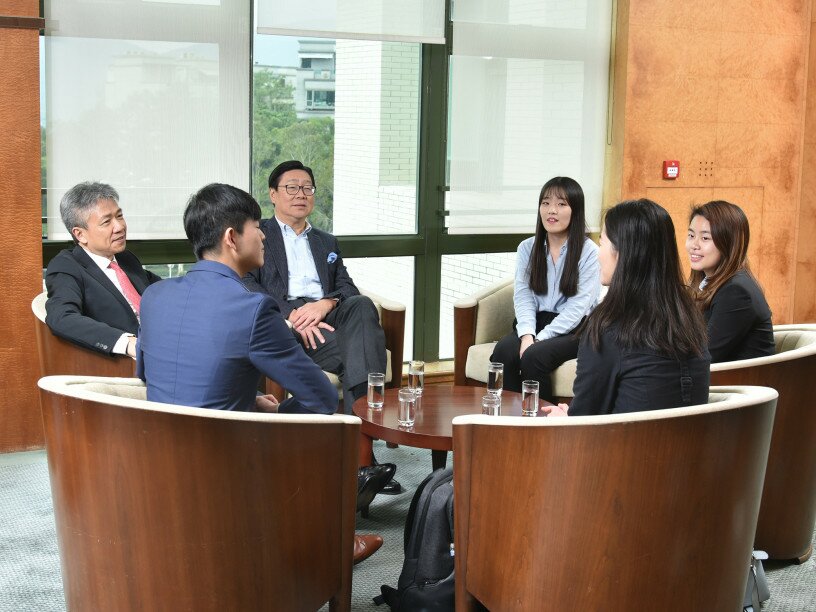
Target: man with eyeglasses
[{"x": 304, "y": 272}]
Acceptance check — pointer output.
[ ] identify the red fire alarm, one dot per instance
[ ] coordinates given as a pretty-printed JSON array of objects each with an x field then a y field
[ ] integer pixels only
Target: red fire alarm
[{"x": 671, "y": 169}]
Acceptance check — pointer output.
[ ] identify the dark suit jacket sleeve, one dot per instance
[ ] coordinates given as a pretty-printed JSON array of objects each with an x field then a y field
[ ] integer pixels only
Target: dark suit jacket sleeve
[
  {"x": 342, "y": 285},
  {"x": 731, "y": 316},
  {"x": 64, "y": 309},
  {"x": 595, "y": 385},
  {"x": 275, "y": 352}
]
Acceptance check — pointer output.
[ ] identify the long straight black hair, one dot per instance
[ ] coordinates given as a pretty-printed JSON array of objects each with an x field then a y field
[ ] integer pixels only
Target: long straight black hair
[
  {"x": 648, "y": 303},
  {"x": 570, "y": 190}
]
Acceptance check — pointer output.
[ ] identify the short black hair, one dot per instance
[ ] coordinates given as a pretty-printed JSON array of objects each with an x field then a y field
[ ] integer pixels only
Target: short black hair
[
  {"x": 213, "y": 209},
  {"x": 286, "y": 166}
]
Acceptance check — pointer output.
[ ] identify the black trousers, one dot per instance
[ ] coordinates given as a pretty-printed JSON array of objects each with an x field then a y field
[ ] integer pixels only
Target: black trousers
[
  {"x": 355, "y": 347},
  {"x": 538, "y": 361}
]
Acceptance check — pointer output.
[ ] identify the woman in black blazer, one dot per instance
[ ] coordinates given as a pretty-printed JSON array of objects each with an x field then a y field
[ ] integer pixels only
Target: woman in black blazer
[
  {"x": 644, "y": 345},
  {"x": 735, "y": 309}
]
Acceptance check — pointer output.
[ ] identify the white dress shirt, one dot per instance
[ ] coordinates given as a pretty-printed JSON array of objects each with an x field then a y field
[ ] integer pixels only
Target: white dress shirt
[{"x": 303, "y": 279}]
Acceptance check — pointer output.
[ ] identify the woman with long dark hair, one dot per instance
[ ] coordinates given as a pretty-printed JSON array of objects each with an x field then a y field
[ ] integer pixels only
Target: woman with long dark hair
[
  {"x": 735, "y": 309},
  {"x": 556, "y": 286},
  {"x": 644, "y": 345}
]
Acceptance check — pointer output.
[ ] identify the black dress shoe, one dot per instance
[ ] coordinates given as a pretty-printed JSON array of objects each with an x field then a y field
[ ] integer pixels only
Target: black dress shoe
[
  {"x": 370, "y": 481},
  {"x": 392, "y": 487}
]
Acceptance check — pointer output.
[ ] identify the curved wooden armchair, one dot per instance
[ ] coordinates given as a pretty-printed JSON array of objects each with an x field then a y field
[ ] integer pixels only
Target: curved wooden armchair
[
  {"x": 162, "y": 507},
  {"x": 392, "y": 319},
  {"x": 479, "y": 321},
  {"x": 58, "y": 356},
  {"x": 644, "y": 511},
  {"x": 788, "y": 511}
]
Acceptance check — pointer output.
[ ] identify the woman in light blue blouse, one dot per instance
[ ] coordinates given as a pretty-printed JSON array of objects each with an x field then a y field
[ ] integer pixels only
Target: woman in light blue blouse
[{"x": 557, "y": 285}]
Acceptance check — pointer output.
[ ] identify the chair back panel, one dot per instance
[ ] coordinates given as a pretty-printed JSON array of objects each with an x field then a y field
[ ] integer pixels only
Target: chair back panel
[
  {"x": 646, "y": 515},
  {"x": 58, "y": 356},
  {"x": 793, "y": 339},
  {"x": 788, "y": 510},
  {"x": 157, "y": 510},
  {"x": 494, "y": 318}
]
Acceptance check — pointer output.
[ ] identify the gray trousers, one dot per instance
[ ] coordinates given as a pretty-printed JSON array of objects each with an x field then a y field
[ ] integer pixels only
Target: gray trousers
[{"x": 355, "y": 347}]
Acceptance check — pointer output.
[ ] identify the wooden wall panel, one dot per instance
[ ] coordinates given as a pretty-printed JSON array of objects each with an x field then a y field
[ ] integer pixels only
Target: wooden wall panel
[
  {"x": 20, "y": 211},
  {"x": 721, "y": 87},
  {"x": 804, "y": 307}
]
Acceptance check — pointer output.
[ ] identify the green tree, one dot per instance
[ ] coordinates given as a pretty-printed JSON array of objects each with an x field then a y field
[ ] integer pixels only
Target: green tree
[{"x": 278, "y": 135}]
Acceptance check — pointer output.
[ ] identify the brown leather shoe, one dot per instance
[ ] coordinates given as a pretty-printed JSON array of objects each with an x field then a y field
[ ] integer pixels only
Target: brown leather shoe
[{"x": 365, "y": 546}]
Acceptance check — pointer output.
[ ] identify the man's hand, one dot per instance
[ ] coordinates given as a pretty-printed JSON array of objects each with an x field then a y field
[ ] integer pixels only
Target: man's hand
[
  {"x": 266, "y": 403},
  {"x": 559, "y": 410},
  {"x": 311, "y": 313},
  {"x": 527, "y": 341},
  {"x": 311, "y": 335},
  {"x": 131, "y": 347}
]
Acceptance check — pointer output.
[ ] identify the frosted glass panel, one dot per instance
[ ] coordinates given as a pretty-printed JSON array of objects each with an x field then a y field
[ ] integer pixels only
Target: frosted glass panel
[
  {"x": 155, "y": 110},
  {"x": 548, "y": 13},
  {"x": 403, "y": 20},
  {"x": 463, "y": 275},
  {"x": 393, "y": 279},
  {"x": 527, "y": 102}
]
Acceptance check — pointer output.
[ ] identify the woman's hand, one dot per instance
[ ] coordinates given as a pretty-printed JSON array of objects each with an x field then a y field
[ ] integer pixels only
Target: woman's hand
[
  {"x": 527, "y": 341},
  {"x": 559, "y": 410}
]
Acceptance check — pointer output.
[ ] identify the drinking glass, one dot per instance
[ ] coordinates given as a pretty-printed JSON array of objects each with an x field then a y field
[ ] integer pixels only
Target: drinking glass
[
  {"x": 491, "y": 404},
  {"x": 495, "y": 377},
  {"x": 407, "y": 407},
  {"x": 416, "y": 376},
  {"x": 376, "y": 390},
  {"x": 529, "y": 398}
]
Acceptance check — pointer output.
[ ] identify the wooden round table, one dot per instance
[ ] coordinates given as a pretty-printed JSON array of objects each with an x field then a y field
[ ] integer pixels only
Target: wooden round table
[{"x": 433, "y": 427}]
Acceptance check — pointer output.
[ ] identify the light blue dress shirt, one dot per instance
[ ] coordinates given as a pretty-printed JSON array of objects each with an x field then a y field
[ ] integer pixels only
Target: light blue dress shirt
[
  {"x": 570, "y": 310},
  {"x": 303, "y": 279}
]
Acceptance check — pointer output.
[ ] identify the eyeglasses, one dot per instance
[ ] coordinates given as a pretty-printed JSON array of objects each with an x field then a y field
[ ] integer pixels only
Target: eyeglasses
[{"x": 308, "y": 190}]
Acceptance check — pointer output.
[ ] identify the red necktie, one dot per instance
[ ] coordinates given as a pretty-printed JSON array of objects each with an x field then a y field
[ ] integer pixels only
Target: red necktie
[{"x": 127, "y": 287}]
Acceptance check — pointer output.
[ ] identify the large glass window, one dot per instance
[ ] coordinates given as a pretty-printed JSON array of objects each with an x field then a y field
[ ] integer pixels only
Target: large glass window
[
  {"x": 538, "y": 71},
  {"x": 349, "y": 109},
  {"x": 152, "y": 98}
]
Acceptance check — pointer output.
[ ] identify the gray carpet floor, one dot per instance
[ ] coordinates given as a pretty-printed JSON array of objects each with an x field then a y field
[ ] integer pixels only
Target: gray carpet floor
[{"x": 29, "y": 559}]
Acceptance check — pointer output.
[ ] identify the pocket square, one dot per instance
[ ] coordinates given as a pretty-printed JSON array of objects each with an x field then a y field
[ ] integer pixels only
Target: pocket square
[{"x": 331, "y": 258}]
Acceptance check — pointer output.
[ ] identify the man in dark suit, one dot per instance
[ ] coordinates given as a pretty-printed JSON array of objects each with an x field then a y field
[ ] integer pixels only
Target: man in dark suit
[
  {"x": 206, "y": 339},
  {"x": 94, "y": 290},
  {"x": 304, "y": 273}
]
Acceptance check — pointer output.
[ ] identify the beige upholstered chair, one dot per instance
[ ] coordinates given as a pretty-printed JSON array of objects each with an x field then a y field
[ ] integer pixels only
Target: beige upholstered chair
[
  {"x": 58, "y": 356},
  {"x": 392, "y": 319},
  {"x": 481, "y": 320},
  {"x": 163, "y": 507},
  {"x": 644, "y": 511},
  {"x": 788, "y": 511}
]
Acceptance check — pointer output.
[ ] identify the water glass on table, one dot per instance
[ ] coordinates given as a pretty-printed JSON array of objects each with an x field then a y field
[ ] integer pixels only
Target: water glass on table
[
  {"x": 495, "y": 377},
  {"x": 376, "y": 390},
  {"x": 529, "y": 398},
  {"x": 491, "y": 404},
  {"x": 407, "y": 407},
  {"x": 416, "y": 376}
]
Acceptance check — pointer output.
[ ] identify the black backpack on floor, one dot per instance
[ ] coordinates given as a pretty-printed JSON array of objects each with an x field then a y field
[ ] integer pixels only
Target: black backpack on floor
[{"x": 426, "y": 581}]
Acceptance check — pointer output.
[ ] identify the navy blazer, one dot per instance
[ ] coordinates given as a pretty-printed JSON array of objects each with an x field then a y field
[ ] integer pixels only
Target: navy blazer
[
  {"x": 84, "y": 306},
  {"x": 205, "y": 340},
  {"x": 739, "y": 321},
  {"x": 273, "y": 277}
]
